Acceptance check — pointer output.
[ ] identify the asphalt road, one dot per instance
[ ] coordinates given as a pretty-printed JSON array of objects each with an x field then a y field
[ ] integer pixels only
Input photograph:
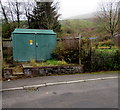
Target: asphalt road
[
  {"x": 93, "y": 94},
  {"x": 46, "y": 79}
]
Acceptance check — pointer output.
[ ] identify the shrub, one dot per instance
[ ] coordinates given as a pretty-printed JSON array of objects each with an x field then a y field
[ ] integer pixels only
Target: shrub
[
  {"x": 92, "y": 60},
  {"x": 7, "y": 54},
  {"x": 69, "y": 50},
  {"x": 106, "y": 43},
  {"x": 103, "y": 60}
]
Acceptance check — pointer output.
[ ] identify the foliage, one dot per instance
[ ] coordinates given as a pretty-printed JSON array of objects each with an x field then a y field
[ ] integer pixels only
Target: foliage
[
  {"x": 70, "y": 53},
  {"x": 48, "y": 63},
  {"x": 7, "y": 54},
  {"x": 104, "y": 60},
  {"x": 38, "y": 15},
  {"x": 92, "y": 60},
  {"x": 45, "y": 16},
  {"x": 6, "y": 30},
  {"x": 106, "y": 43}
]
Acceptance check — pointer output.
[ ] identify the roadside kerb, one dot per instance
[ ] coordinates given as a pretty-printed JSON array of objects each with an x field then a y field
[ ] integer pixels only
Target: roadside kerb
[
  {"x": 56, "y": 83},
  {"x": 10, "y": 89},
  {"x": 34, "y": 86}
]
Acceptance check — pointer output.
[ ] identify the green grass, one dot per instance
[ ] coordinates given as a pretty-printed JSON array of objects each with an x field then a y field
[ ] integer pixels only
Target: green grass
[
  {"x": 48, "y": 63},
  {"x": 55, "y": 62},
  {"x": 76, "y": 22},
  {"x": 105, "y": 72},
  {"x": 100, "y": 72}
]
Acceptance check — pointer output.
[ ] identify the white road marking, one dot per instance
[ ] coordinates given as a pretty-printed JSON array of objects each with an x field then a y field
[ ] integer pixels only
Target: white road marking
[{"x": 56, "y": 83}]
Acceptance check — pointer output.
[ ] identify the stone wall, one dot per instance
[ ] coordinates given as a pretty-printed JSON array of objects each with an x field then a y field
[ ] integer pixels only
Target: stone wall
[
  {"x": 42, "y": 71},
  {"x": 52, "y": 70}
]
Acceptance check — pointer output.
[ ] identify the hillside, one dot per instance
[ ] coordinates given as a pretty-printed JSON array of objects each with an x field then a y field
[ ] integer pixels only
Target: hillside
[{"x": 83, "y": 16}]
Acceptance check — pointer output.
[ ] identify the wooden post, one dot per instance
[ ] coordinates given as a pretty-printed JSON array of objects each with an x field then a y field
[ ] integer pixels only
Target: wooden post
[
  {"x": 90, "y": 53},
  {"x": 79, "y": 49},
  {"x": 1, "y": 56}
]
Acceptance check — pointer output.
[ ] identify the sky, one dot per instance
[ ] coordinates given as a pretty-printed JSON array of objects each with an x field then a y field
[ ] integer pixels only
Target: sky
[{"x": 69, "y": 8}]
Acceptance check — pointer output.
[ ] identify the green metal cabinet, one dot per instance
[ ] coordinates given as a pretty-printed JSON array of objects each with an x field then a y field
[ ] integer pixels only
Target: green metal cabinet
[{"x": 31, "y": 44}]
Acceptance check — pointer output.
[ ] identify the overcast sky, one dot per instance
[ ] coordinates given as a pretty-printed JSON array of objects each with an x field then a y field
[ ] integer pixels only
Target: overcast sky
[{"x": 70, "y": 8}]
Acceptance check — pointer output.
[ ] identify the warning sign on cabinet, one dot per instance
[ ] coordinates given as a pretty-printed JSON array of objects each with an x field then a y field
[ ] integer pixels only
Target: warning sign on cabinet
[{"x": 31, "y": 42}]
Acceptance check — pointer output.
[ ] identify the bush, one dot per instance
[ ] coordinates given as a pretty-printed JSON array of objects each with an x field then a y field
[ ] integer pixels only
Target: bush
[
  {"x": 7, "y": 54},
  {"x": 7, "y": 29},
  {"x": 68, "y": 50},
  {"x": 95, "y": 60},
  {"x": 106, "y": 43},
  {"x": 102, "y": 60},
  {"x": 70, "y": 55}
]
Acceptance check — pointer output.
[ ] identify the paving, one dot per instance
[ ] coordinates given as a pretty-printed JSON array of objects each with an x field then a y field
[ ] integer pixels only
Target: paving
[{"x": 52, "y": 79}]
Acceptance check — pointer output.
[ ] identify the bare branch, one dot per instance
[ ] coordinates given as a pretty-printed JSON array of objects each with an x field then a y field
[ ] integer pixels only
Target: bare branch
[{"x": 109, "y": 16}]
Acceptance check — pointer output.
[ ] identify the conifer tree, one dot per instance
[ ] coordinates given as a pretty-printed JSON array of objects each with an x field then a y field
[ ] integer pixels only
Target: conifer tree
[{"x": 45, "y": 16}]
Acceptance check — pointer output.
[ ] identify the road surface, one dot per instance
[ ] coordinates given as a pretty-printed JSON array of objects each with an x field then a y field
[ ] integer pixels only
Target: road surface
[{"x": 93, "y": 94}]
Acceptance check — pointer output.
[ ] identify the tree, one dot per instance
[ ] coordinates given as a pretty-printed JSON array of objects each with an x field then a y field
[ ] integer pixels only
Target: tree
[
  {"x": 6, "y": 29},
  {"x": 14, "y": 15},
  {"x": 45, "y": 16},
  {"x": 119, "y": 17},
  {"x": 28, "y": 7},
  {"x": 17, "y": 10},
  {"x": 108, "y": 17},
  {"x": 4, "y": 12},
  {"x": 10, "y": 11}
]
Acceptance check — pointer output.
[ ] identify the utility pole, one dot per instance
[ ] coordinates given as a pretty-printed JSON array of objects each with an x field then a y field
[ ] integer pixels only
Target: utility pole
[
  {"x": 90, "y": 53},
  {"x": 1, "y": 57},
  {"x": 79, "y": 49}
]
